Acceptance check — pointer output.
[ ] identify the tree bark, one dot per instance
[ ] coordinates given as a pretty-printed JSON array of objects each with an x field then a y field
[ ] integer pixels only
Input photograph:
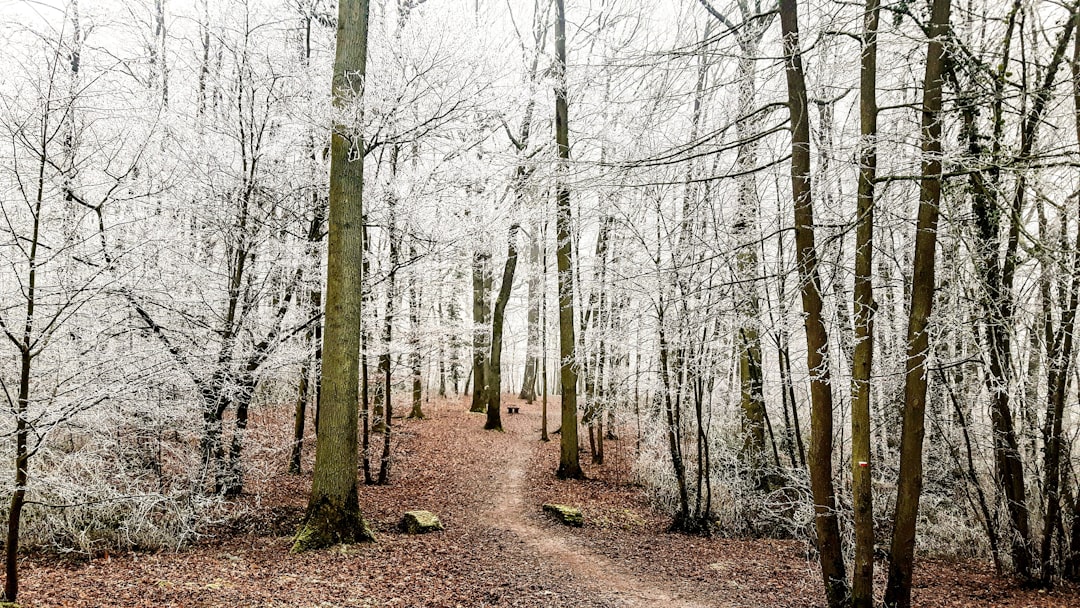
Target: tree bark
[
  {"x": 862, "y": 576},
  {"x": 415, "y": 361},
  {"x": 388, "y": 327},
  {"x": 333, "y": 512},
  {"x": 569, "y": 464},
  {"x": 909, "y": 485},
  {"x": 481, "y": 279},
  {"x": 532, "y": 346},
  {"x": 817, "y": 340},
  {"x": 1059, "y": 360},
  {"x": 493, "y": 373}
]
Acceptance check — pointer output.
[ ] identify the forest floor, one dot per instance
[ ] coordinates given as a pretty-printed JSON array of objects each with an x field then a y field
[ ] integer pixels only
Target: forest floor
[{"x": 498, "y": 549}]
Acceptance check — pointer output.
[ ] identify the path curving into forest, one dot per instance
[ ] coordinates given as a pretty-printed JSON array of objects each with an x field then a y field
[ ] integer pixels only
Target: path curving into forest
[{"x": 595, "y": 573}]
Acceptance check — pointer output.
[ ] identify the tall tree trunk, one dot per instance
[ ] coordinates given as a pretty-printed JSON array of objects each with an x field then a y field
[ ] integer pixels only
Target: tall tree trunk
[
  {"x": 415, "y": 361},
  {"x": 909, "y": 485},
  {"x": 998, "y": 276},
  {"x": 862, "y": 576},
  {"x": 481, "y": 279},
  {"x": 454, "y": 315},
  {"x": 532, "y": 346},
  {"x": 569, "y": 465},
  {"x": 593, "y": 371},
  {"x": 388, "y": 327},
  {"x": 751, "y": 378},
  {"x": 299, "y": 418},
  {"x": 671, "y": 406},
  {"x": 366, "y": 397},
  {"x": 817, "y": 340},
  {"x": 312, "y": 336},
  {"x": 1007, "y": 454},
  {"x": 493, "y": 373},
  {"x": 442, "y": 349},
  {"x": 333, "y": 513},
  {"x": 543, "y": 333},
  {"x": 1059, "y": 360},
  {"x": 22, "y": 454}
]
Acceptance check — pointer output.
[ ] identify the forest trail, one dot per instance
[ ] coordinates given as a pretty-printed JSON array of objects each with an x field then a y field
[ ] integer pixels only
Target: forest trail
[
  {"x": 601, "y": 575},
  {"x": 499, "y": 550}
]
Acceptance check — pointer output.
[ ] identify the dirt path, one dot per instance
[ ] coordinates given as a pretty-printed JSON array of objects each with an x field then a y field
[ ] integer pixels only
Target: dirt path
[
  {"x": 498, "y": 550},
  {"x": 594, "y": 571}
]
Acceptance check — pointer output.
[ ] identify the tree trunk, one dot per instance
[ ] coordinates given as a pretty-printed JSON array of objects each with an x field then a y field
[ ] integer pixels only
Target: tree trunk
[
  {"x": 299, "y": 418},
  {"x": 569, "y": 465},
  {"x": 366, "y": 397},
  {"x": 415, "y": 361},
  {"x": 745, "y": 228},
  {"x": 674, "y": 429},
  {"x": 312, "y": 336},
  {"x": 333, "y": 513},
  {"x": 1059, "y": 360},
  {"x": 543, "y": 335},
  {"x": 481, "y": 278},
  {"x": 817, "y": 340},
  {"x": 909, "y": 485},
  {"x": 232, "y": 483},
  {"x": 532, "y": 347},
  {"x": 388, "y": 327},
  {"x": 455, "y": 343},
  {"x": 22, "y": 455},
  {"x": 442, "y": 351},
  {"x": 862, "y": 576},
  {"x": 493, "y": 373}
]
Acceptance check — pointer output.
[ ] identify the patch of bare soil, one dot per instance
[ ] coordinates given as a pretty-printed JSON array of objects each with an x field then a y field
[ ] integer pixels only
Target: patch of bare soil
[{"x": 498, "y": 548}]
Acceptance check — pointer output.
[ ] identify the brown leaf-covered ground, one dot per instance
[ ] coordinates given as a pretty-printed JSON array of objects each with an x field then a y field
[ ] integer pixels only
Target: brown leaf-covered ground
[{"x": 498, "y": 548}]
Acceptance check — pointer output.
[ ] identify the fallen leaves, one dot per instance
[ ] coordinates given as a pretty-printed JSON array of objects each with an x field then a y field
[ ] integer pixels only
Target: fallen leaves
[{"x": 449, "y": 465}]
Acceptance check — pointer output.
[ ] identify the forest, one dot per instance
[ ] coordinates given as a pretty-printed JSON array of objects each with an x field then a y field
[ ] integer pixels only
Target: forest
[{"x": 628, "y": 302}]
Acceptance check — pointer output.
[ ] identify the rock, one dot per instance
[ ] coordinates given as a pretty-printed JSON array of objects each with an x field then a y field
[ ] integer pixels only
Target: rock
[
  {"x": 570, "y": 516},
  {"x": 420, "y": 522}
]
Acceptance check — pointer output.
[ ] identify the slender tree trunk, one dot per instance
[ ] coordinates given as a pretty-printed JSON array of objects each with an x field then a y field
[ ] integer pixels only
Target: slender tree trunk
[
  {"x": 543, "y": 335},
  {"x": 862, "y": 577},
  {"x": 1059, "y": 360},
  {"x": 22, "y": 455},
  {"x": 455, "y": 344},
  {"x": 442, "y": 350},
  {"x": 593, "y": 370},
  {"x": 532, "y": 347},
  {"x": 569, "y": 465},
  {"x": 366, "y": 397},
  {"x": 333, "y": 512},
  {"x": 312, "y": 337},
  {"x": 998, "y": 276},
  {"x": 388, "y": 326},
  {"x": 909, "y": 485},
  {"x": 299, "y": 419},
  {"x": 674, "y": 435},
  {"x": 415, "y": 361},
  {"x": 817, "y": 341},
  {"x": 493, "y": 373},
  {"x": 481, "y": 278}
]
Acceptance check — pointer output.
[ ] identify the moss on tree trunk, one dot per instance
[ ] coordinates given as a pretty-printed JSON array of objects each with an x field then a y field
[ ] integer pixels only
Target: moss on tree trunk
[{"x": 327, "y": 524}]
